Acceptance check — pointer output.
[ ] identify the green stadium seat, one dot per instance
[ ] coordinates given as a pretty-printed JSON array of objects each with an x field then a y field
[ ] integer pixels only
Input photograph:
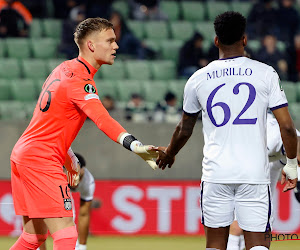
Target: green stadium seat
[
  {"x": 52, "y": 28},
  {"x": 44, "y": 48},
  {"x": 38, "y": 84},
  {"x": 122, "y": 7},
  {"x": 254, "y": 45},
  {"x": 53, "y": 63},
  {"x": 137, "y": 28},
  {"x": 138, "y": 70},
  {"x": 290, "y": 90},
  {"x": 12, "y": 110},
  {"x": 18, "y": 48},
  {"x": 34, "y": 68},
  {"x": 128, "y": 87},
  {"x": 115, "y": 71},
  {"x": 163, "y": 70},
  {"x": 242, "y": 7},
  {"x": 156, "y": 30},
  {"x": 181, "y": 30},
  {"x": 281, "y": 46},
  {"x": 206, "y": 29},
  {"x": 23, "y": 90},
  {"x": 294, "y": 109},
  {"x": 298, "y": 91},
  {"x": 155, "y": 91},
  {"x": 177, "y": 87},
  {"x": 171, "y": 8},
  {"x": 3, "y": 48},
  {"x": 5, "y": 89},
  {"x": 215, "y": 8},
  {"x": 170, "y": 49},
  {"x": 106, "y": 87},
  {"x": 36, "y": 29},
  {"x": 29, "y": 108},
  {"x": 10, "y": 68},
  {"x": 152, "y": 44},
  {"x": 193, "y": 11}
]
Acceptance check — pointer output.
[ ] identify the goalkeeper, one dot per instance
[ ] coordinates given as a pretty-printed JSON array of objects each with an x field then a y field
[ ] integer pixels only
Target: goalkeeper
[{"x": 69, "y": 95}]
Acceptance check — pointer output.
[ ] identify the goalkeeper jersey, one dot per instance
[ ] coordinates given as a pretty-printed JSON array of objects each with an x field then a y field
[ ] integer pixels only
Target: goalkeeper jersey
[
  {"x": 233, "y": 95},
  {"x": 68, "y": 96}
]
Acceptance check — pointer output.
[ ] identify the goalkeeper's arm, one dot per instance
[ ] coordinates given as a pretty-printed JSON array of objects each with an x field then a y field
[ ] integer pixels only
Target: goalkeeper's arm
[{"x": 99, "y": 115}]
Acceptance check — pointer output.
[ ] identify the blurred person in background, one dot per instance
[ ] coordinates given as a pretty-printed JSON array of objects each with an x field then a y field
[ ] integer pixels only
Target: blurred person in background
[
  {"x": 99, "y": 8},
  {"x": 147, "y": 10},
  {"x": 62, "y": 8},
  {"x": 128, "y": 43},
  {"x": 191, "y": 56},
  {"x": 108, "y": 102},
  {"x": 86, "y": 188},
  {"x": 67, "y": 45},
  {"x": 270, "y": 54},
  {"x": 15, "y": 19},
  {"x": 136, "y": 109},
  {"x": 262, "y": 19},
  {"x": 293, "y": 52},
  {"x": 167, "y": 110},
  {"x": 288, "y": 21}
]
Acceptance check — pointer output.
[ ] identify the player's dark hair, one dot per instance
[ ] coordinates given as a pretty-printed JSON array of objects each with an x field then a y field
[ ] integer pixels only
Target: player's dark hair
[
  {"x": 81, "y": 160},
  {"x": 90, "y": 25},
  {"x": 230, "y": 27}
]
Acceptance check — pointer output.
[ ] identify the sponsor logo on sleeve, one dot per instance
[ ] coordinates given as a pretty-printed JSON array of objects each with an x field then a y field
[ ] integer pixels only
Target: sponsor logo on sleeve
[{"x": 91, "y": 96}]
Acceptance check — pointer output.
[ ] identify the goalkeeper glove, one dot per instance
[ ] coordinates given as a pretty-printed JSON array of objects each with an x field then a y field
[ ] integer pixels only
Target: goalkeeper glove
[
  {"x": 146, "y": 152},
  {"x": 72, "y": 166}
]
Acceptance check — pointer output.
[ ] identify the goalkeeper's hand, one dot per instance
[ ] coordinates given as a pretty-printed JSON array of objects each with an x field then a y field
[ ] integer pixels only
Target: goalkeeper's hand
[
  {"x": 72, "y": 166},
  {"x": 146, "y": 152},
  {"x": 289, "y": 174}
]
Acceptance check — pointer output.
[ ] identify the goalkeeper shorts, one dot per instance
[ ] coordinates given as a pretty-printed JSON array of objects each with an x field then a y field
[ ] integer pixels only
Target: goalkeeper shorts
[
  {"x": 250, "y": 203},
  {"x": 40, "y": 192}
]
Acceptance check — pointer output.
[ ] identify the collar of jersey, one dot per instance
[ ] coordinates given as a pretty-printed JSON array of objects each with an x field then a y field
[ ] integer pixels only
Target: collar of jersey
[
  {"x": 230, "y": 57},
  {"x": 90, "y": 69}
]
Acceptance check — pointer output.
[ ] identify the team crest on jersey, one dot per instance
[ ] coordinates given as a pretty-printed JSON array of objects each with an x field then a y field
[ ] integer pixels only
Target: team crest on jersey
[
  {"x": 68, "y": 204},
  {"x": 89, "y": 88}
]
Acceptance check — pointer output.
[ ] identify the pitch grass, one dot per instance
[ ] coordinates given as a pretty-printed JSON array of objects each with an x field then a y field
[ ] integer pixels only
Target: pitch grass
[{"x": 149, "y": 243}]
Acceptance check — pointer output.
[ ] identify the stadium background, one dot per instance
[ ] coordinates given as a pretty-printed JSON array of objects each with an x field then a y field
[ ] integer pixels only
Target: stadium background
[{"x": 135, "y": 199}]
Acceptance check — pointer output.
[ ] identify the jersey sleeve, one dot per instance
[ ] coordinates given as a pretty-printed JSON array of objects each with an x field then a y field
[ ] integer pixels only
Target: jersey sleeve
[
  {"x": 191, "y": 103},
  {"x": 277, "y": 98},
  {"x": 86, "y": 98}
]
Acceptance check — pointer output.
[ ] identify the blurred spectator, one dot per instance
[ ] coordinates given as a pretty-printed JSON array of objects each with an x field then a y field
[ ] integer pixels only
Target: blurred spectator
[
  {"x": 62, "y": 8},
  {"x": 128, "y": 43},
  {"x": 270, "y": 55},
  {"x": 262, "y": 20},
  {"x": 108, "y": 103},
  {"x": 167, "y": 110},
  {"x": 68, "y": 46},
  {"x": 38, "y": 8},
  {"x": 15, "y": 19},
  {"x": 147, "y": 10},
  {"x": 288, "y": 20},
  {"x": 136, "y": 109},
  {"x": 191, "y": 56},
  {"x": 99, "y": 8},
  {"x": 294, "y": 63}
]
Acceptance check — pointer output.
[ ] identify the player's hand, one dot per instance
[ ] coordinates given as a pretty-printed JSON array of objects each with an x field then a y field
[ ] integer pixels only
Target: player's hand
[
  {"x": 289, "y": 176},
  {"x": 73, "y": 177},
  {"x": 72, "y": 166},
  {"x": 164, "y": 160},
  {"x": 146, "y": 152}
]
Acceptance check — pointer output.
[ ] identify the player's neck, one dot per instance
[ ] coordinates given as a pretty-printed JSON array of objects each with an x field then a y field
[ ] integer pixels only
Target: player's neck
[
  {"x": 228, "y": 52},
  {"x": 90, "y": 60}
]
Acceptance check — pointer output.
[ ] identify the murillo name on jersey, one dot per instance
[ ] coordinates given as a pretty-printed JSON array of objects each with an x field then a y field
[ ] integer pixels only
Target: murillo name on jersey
[{"x": 229, "y": 72}]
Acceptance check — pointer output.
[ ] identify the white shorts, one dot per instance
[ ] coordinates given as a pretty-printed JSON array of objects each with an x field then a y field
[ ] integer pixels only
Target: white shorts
[{"x": 251, "y": 203}]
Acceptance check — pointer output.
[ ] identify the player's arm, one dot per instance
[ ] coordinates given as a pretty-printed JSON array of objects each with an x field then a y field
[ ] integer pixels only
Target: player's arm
[
  {"x": 84, "y": 221},
  {"x": 100, "y": 116},
  {"x": 181, "y": 135},
  {"x": 289, "y": 139}
]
